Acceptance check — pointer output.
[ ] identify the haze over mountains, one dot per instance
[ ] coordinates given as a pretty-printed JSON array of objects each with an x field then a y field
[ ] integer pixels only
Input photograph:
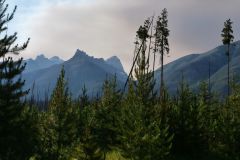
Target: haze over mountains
[{"x": 83, "y": 69}]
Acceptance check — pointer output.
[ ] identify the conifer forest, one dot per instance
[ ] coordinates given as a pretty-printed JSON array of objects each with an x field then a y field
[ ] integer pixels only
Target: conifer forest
[{"x": 138, "y": 121}]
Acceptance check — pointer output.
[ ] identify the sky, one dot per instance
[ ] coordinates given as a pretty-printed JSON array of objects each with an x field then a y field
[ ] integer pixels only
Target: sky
[{"x": 104, "y": 28}]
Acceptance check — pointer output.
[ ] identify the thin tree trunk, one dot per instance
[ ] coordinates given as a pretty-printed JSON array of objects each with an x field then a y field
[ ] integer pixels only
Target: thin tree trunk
[
  {"x": 209, "y": 80},
  {"x": 154, "y": 58},
  {"x": 162, "y": 83},
  {"x": 134, "y": 61},
  {"x": 104, "y": 156},
  {"x": 150, "y": 43},
  {"x": 228, "y": 72}
]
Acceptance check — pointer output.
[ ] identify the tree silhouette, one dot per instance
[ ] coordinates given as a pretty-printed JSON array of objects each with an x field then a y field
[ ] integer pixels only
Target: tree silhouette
[
  {"x": 162, "y": 45},
  {"x": 227, "y": 35},
  {"x": 10, "y": 88}
]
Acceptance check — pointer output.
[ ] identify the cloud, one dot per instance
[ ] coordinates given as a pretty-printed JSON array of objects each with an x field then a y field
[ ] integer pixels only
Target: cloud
[{"x": 107, "y": 27}]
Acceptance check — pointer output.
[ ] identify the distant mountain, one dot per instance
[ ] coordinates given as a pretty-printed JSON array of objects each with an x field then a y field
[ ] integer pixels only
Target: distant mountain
[
  {"x": 56, "y": 60},
  {"x": 80, "y": 70},
  {"x": 195, "y": 68},
  {"x": 41, "y": 62},
  {"x": 115, "y": 62}
]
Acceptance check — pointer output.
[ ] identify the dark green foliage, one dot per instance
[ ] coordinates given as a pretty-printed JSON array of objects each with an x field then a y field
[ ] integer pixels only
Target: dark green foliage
[
  {"x": 59, "y": 130},
  {"x": 107, "y": 126},
  {"x": 11, "y": 91},
  {"x": 188, "y": 124},
  {"x": 29, "y": 136},
  {"x": 141, "y": 138},
  {"x": 161, "y": 42},
  {"x": 228, "y": 127},
  {"x": 227, "y": 35},
  {"x": 84, "y": 99},
  {"x": 143, "y": 134},
  {"x": 227, "y": 32},
  {"x": 88, "y": 144}
]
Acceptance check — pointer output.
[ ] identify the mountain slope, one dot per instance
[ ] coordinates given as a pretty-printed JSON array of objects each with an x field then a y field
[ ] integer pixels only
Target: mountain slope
[
  {"x": 80, "y": 70},
  {"x": 195, "y": 68}
]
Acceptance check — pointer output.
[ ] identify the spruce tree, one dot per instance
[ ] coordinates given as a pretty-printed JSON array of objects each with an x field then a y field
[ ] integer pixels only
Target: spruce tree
[
  {"x": 227, "y": 35},
  {"x": 188, "y": 124},
  {"x": 107, "y": 117},
  {"x": 162, "y": 45},
  {"x": 141, "y": 136},
  {"x": 11, "y": 91},
  {"x": 228, "y": 130},
  {"x": 61, "y": 123},
  {"x": 87, "y": 134}
]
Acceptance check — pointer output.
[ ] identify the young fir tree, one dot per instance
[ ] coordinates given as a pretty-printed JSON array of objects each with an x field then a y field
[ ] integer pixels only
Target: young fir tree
[
  {"x": 162, "y": 45},
  {"x": 141, "y": 137},
  {"x": 227, "y": 35},
  {"x": 87, "y": 148},
  {"x": 188, "y": 124},
  {"x": 11, "y": 91},
  {"x": 87, "y": 136},
  {"x": 107, "y": 117},
  {"x": 228, "y": 130},
  {"x": 61, "y": 123}
]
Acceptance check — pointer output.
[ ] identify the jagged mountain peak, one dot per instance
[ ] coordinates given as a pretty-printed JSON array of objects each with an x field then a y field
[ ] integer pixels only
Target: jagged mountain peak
[
  {"x": 80, "y": 54},
  {"x": 115, "y": 62},
  {"x": 40, "y": 57},
  {"x": 41, "y": 62},
  {"x": 56, "y": 59}
]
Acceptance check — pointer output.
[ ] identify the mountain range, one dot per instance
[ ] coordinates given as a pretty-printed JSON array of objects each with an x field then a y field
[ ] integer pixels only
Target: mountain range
[
  {"x": 83, "y": 69},
  {"x": 41, "y": 62}
]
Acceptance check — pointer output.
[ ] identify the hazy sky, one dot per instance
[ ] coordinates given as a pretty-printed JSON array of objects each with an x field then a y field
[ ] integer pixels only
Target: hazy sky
[{"x": 104, "y": 28}]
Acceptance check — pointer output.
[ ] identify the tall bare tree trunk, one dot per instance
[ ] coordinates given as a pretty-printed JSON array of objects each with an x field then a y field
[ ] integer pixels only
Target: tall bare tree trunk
[
  {"x": 162, "y": 81},
  {"x": 228, "y": 71}
]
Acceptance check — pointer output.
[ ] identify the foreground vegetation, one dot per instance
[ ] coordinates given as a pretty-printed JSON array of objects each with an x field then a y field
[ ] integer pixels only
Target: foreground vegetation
[
  {"x": 134, "y": 124},
  {"x": 188, "y": 126}
]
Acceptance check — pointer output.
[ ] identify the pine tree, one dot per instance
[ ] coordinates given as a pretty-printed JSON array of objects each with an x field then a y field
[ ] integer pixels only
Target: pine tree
[
  {"x": 188, "y": 124},
  {"x": 107, "y": 117},
  {"x": 11, "y": 91},
  {"x": 227, "y": 35},
  {"x": 61, "y": 123},
  {"x": 141, "y": 136},
  {"x": 162, "y": 45},
  {"x": 228, "y": 130},
  {"x": 29, "y": 137},
  {"x": 87, "y": 136}
]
